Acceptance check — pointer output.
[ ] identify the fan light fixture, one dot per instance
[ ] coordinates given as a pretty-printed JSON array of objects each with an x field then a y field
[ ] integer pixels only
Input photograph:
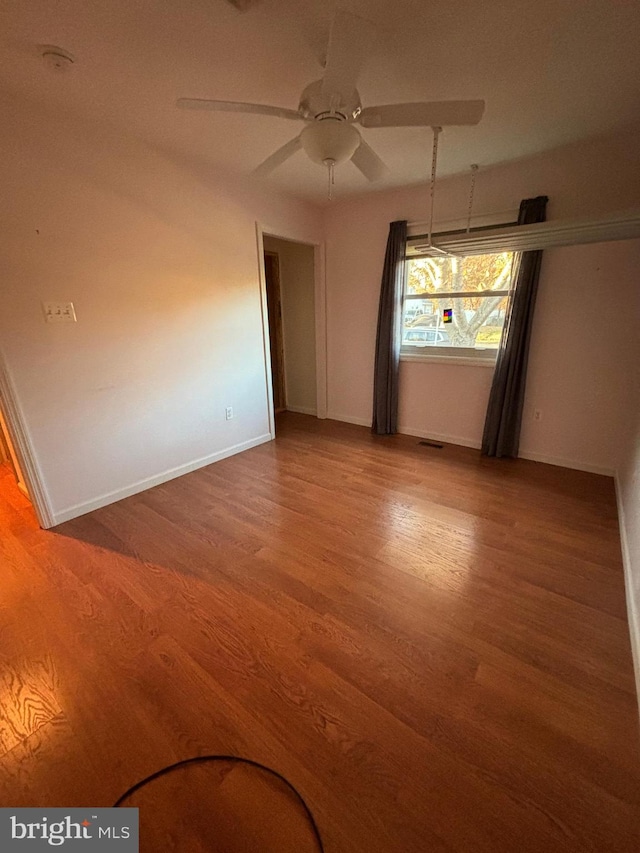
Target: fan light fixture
[
  {"x": 331, "y": 106},
  {"x": 330, "y": 141}
]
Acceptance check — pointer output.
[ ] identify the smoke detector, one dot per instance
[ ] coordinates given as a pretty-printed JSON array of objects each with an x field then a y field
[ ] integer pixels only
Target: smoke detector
[{"x": 56, "y": 58}]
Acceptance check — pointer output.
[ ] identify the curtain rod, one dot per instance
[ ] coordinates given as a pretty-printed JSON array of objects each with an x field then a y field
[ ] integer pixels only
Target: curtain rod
[
  {"x": 504, "y": 215},
  {"x": 541, "y": 235}
]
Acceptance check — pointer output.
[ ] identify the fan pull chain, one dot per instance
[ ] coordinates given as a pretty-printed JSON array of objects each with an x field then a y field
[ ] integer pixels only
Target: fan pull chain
[
  {"x": 474, "y": 169},
  {"x": 330, "y": 175},
  {"x": 434, "y": 163}
]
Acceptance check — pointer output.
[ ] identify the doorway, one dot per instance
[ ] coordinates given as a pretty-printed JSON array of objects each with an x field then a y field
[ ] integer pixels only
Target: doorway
[
  {"x": 9, "y": 459},
  {"x": 23, "y": 476},
  {"x": 274, "y": 308},
  {"x": 290, "y": 279},
  {"x": 13, "y": 489}
]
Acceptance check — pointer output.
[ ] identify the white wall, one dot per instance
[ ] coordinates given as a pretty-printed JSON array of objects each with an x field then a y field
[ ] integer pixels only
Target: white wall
[
  {"x": 297, "y": 292},
  {"x": 574, "y": 371},
  {"x": 161, "y": 263},
  {"x": 584, "y": 346}
]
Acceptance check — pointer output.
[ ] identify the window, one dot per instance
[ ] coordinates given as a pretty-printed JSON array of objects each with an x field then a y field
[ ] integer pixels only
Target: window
[{"x": 456, "y": 306}]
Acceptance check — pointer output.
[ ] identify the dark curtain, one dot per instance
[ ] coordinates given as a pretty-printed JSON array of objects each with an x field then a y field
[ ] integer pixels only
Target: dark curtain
[
  {"x": 501, "y": 435},
  {"x": 385, "y": 380}
]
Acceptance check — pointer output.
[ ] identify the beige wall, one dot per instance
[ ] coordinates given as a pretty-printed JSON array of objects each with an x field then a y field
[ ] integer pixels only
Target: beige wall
[
  {"x": 161, "y": 263},
  {"x": 579, "y": 346}
]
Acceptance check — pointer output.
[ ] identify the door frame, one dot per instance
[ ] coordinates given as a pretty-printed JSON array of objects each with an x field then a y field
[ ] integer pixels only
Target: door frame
[
  {"x": 23, "y": 448},
  {"x": 320, "y": 310}
]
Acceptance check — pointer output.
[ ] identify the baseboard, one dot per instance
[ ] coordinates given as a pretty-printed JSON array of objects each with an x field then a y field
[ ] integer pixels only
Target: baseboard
[
  {"x": 437, "y": 436},
  {"x": 302, "y": 410},
  {"x": 402, "y": 430},
  {"x": 463, "y": 441},
  {"x": 157, "y": 480},
  {"x": 348, "y": 419},
  {"x": 633, "y": 616},
  {"x": 534, "y": 457},
  {"x": 563, "y": 462}
]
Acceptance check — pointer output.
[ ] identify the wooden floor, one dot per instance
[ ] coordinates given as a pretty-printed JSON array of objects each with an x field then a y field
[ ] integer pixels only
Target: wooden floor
[{"x": 431, "y": 647}]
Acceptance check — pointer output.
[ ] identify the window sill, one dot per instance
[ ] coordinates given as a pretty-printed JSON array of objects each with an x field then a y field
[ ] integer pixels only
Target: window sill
[{"x": 465, "y": 360}]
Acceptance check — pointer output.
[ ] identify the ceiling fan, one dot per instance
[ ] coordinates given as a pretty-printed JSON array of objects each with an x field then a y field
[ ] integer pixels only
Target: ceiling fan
[{"x": 331, "y": 107}]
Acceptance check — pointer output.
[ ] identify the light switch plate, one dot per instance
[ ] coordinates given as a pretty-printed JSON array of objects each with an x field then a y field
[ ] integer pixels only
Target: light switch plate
[{"x": 59, "y": 312}]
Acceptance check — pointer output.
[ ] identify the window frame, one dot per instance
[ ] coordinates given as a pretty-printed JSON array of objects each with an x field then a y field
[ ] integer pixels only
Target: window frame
[{"x": 479, "y": 357}]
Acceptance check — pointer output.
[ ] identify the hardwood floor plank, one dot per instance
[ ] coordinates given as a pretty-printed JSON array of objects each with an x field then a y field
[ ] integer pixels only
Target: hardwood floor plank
[{"x": 431, "y": 646}]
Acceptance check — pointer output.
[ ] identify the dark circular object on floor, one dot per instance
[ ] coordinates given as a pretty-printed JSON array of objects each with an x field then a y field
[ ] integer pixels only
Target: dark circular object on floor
[{"x": 222, "y": 804}]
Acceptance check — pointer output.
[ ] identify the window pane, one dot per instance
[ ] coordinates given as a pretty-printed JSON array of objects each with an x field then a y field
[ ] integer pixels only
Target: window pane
[
  {"x": 447, "y": 321},
  {"x": 446, "y": 275}
]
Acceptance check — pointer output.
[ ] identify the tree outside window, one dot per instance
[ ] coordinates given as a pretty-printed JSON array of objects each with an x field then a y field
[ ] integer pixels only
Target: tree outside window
[{"x": 457, "y": 302}]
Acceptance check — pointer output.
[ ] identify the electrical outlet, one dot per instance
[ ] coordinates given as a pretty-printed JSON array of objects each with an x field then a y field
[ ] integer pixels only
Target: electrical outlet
[
  {"x": 537, "y": 415},
  {"x": 59, "y": 312},
  {"x": 228, "y": 413}
]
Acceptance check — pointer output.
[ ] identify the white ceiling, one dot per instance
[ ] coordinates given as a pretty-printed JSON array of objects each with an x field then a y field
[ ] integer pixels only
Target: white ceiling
[{"x": 551, "y": 72}]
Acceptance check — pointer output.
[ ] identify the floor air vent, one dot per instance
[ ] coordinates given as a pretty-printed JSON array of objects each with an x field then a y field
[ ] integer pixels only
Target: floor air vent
[{"x": 435, "y": 444}]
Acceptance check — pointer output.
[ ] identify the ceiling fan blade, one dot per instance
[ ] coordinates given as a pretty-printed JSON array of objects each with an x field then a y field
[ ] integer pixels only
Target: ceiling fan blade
[
  {"x": 350, "y": 43},
  {"x": 278, "y": 157},
  {"x": 366, "y": 159},
  {"x": 428, "y": 114},
  {"x": 237, "y": 107}
]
